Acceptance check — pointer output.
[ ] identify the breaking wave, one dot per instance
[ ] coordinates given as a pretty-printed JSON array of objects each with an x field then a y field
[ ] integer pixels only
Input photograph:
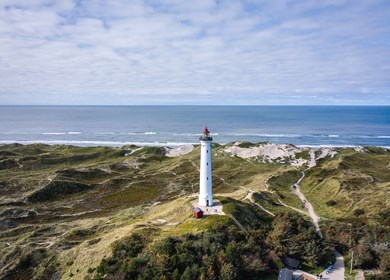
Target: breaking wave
[
  {"x": 96, "y": 143},
  {"x": 62, "y": 133}
]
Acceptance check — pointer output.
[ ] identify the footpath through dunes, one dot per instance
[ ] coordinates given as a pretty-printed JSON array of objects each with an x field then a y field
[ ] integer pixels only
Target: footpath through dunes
[
  {"x": 338, "y": 270},
  {"x": 93, "y": 197},
  {"x": 64, "y": 199},
  {"x": 307, "y": 204},
  {"x": 281, "y": 153}
]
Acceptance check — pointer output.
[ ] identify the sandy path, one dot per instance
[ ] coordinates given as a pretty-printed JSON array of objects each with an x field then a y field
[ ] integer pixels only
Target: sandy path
[
  {"x": 307, "y": 204},
  {"x": 339, "y": 269},
  {"x": 293, "y": 208},
  {"x": 249, "y": 197}
]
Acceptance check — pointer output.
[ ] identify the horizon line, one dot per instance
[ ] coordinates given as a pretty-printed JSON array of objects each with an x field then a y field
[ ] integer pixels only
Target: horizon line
[{"x": 204, "y": 105}]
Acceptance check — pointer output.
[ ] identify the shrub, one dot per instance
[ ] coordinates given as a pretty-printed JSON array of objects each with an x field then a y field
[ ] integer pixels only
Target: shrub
[
  {"x": 384, "y": 264},
  {"x": 303, "y": 155},
  {"x": 358, "y": 212},
  {"x": 331, "y": 202},
  {"x": 57, "y": 189},
  {"x": 26, "y": 261},
  {"x": 245, "y": 145},
  {"x": 363, "y": 257}
]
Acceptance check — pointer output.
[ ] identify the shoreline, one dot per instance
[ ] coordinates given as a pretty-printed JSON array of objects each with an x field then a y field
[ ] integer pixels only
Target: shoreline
[{"x": 119, "y": 144}]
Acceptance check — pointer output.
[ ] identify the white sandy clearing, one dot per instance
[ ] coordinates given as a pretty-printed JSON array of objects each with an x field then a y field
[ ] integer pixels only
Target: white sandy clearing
[
  {"x": 269, "y": 152},
  {"x": 312, "y": 161},
  {"x": 179, "y": 151},
  {"x": 359, "y": 149},
  {"x": 326, "y": 152},
  {"x": 283, "y": 153}
]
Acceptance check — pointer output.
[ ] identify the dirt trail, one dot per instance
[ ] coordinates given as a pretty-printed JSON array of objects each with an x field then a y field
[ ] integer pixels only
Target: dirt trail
[
  {"x": 249, "y": 197},
  {"x": 307, "y": 204},
  {"x": 339, "y": 269},
  {"x": 293, "y": 208}
]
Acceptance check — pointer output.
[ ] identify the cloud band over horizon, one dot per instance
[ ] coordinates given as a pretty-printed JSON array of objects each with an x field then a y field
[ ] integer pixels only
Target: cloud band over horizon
[{"x": 195, "y": 52}]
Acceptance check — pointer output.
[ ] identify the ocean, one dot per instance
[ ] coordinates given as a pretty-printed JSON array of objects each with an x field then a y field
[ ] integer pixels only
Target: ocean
[{"x": 313, "y": 126}]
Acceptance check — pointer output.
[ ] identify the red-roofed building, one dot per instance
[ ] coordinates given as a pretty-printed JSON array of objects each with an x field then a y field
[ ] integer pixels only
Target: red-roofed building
[{"x": 198, "y": 213}]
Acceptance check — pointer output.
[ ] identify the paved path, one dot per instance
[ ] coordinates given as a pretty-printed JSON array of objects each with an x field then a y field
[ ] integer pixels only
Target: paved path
[{"x": 338, "y": 272}]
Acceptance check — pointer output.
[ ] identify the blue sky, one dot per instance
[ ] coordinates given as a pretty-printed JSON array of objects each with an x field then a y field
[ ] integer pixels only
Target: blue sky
[{"x": 195, "y": 52}]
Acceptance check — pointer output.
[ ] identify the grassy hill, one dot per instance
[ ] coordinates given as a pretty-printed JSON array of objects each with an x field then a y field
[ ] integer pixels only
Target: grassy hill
[
  {"x": 66, "y": 210},
  {"x": 349, "y": 182}
]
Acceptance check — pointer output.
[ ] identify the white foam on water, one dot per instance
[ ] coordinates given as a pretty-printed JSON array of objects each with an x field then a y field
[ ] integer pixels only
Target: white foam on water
[
  {"x": 54, "y": 133},
  {"x": 95, "y": 143}
]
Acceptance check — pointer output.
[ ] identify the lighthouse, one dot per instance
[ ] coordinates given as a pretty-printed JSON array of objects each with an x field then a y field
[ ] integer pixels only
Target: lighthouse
[{"x": 206, "y": 179}]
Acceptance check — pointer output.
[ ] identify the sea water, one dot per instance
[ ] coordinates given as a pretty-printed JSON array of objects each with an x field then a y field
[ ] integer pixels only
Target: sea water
[{"x": 175, "y": 125}]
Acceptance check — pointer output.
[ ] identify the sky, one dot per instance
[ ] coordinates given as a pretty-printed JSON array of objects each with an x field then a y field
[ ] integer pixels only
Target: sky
[{"x": 117, "y": 52}]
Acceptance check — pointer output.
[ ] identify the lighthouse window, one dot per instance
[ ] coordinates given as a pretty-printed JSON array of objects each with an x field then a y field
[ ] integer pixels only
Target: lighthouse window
[
  {"x": 207, "y": 151},
  {"x": 207, "y": 178},
  {"x": 207, "y": 164}
]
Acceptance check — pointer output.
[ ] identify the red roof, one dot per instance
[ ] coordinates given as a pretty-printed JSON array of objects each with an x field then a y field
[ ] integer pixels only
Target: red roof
[
  {"x": 197, "y": 210},
  {"x": 206, "y": 130}
]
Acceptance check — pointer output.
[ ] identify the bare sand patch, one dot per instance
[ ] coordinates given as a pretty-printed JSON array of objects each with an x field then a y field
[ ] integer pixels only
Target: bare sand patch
[
  {"x": 179, "y": 151},
  {"x": 280, "y": 153}
]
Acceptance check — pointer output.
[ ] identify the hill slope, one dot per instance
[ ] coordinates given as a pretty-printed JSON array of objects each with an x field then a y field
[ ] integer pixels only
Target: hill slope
[{"x": 62, "y": 207}]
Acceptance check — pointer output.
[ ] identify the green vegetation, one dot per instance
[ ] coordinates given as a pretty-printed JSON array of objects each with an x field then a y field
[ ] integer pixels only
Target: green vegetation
[
  {"x": 61, "y": 207},
  {"x": 246, "y": 145},
  {"x": 38, "y": 263},
  {"x": 281, "y": 184},
  {"x": 57, "y": 189},
  {"x": 353, "y": 181},
  {"x": 352, "y": 190},
  {"x": 248, "y": 215},
  {"x": 269, "y": 201},
  {"x": 221, "y": 250},
  {"x": 303, "y": 155}
]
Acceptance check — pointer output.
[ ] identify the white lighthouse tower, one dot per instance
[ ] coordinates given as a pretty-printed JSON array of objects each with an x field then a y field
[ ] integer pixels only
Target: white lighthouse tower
[{"x": 206, "y": 179}]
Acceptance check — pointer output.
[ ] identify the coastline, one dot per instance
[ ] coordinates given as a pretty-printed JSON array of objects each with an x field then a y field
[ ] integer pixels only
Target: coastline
[
  {"x": 100, "y": 195},
  {"x": 322, "y": 126},
  {"x": 119, "y": 144}
]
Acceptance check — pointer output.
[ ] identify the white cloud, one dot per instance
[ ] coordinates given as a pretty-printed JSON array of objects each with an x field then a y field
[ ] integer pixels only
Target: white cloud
[{"x": 228, "y": 51}]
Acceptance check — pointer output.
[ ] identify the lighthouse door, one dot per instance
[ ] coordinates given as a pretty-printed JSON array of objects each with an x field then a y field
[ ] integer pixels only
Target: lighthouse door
[{"x": 207, "y": 202}]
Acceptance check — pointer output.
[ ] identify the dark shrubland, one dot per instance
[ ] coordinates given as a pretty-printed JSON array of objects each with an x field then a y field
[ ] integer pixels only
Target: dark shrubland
[
  {"x": 57, "y": 189},
  {"x": 102, "y": 189},
  {"x": 226, "y": 252},
  {"x": 222, "y": 250}
]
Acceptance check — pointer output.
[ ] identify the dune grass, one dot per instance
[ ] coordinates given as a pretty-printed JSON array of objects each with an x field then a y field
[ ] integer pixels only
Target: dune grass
[
  {"x": 89, "y": 197},
  {"x": 348, "y": 182}
]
